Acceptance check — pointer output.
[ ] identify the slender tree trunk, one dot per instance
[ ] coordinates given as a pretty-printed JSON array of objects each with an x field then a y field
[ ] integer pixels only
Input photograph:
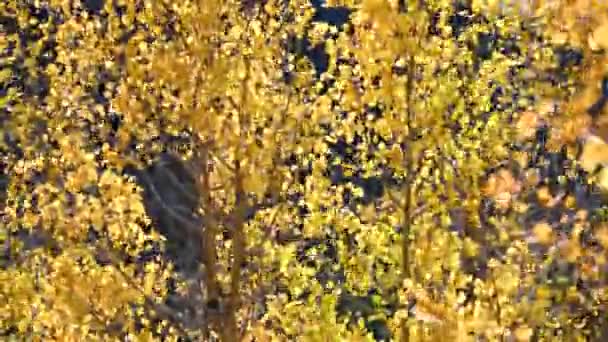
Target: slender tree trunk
[
  {"x": 238, "y": 258},
  {"x": 230, "y": 330},
  {"x": 407, "y": 206},
  {"x": 208, "y": 243}
]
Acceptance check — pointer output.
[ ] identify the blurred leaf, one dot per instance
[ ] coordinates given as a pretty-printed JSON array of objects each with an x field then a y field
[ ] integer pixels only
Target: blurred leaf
[{"x": 543, "y": 233}]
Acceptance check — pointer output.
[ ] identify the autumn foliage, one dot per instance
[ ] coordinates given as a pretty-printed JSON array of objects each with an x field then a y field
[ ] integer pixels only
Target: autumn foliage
[{"x": 303, "y": 170}]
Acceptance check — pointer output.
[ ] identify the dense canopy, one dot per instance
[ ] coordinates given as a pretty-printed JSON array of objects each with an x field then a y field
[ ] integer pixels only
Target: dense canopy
[{"x": 261, "y": 170}]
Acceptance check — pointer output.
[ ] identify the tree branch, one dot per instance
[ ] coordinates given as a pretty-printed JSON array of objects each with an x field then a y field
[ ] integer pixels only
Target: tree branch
[{"x": 407, "y": 206}]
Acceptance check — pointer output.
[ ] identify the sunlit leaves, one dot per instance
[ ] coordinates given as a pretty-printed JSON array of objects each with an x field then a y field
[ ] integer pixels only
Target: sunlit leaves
[
  {"x": 502, "y": 186},
  {"x": 602, "y": 236},
  {"x": 527, "y": 124},
  {"x": 597, "y": 39},
  {"x": 594, "y": 154},
  {"x": 543, "y": 233},
  {"x": 374, "y": 176}
]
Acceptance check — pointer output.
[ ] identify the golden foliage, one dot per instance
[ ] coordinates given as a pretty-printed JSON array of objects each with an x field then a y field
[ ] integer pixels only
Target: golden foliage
[
  {"x": 543, "y": 233},
  {"x": 502, "y": 186},
  {"x": 314, "y": 186},
  {"x": 527, "y": 125}
]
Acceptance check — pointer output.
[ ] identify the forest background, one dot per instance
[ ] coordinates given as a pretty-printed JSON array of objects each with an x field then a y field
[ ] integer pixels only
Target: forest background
[{"x": 416, "y": 170}]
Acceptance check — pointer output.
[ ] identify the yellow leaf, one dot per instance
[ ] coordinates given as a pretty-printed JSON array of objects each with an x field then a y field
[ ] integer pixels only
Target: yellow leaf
[
  {"x": 599, "y": 38},
  {"x": 595, "y": 153},
  {"x": 255, "y": 184},
  {"x": 544, "y": 196},
  {"x": 602, "y": 236},
  {"x": 395, "y": 157},
  {"x": 543, "y": 233},
  {"x": 527, "y": 124},
  {"x": 570, "y": 250},
  {"x": 543, "y": 292},
  {"x": 601, "y": 179},
  {"x": 5, "y": 74},
  {"x": 523, "y": 333},
  {"x": 471, "y": 248},
  {"x": 501, "y": 187},
  {"x": 570, "y": 202},
  {"x": 582, "y": 215}
]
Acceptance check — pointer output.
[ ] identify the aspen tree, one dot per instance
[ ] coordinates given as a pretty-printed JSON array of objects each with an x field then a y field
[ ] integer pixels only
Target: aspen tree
[{"x": 371, "y": 200}]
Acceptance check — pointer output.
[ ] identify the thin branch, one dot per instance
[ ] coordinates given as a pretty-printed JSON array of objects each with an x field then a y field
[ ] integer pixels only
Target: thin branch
[
  {"x": 233, "y": 103},
  {"x": 415, "y": 212},
  {"x": 209, "y": 256},
  {"x": 231, "y": 331},
  {"x": 407, "y": 205},
  {"x": 222, "y": 161}
]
